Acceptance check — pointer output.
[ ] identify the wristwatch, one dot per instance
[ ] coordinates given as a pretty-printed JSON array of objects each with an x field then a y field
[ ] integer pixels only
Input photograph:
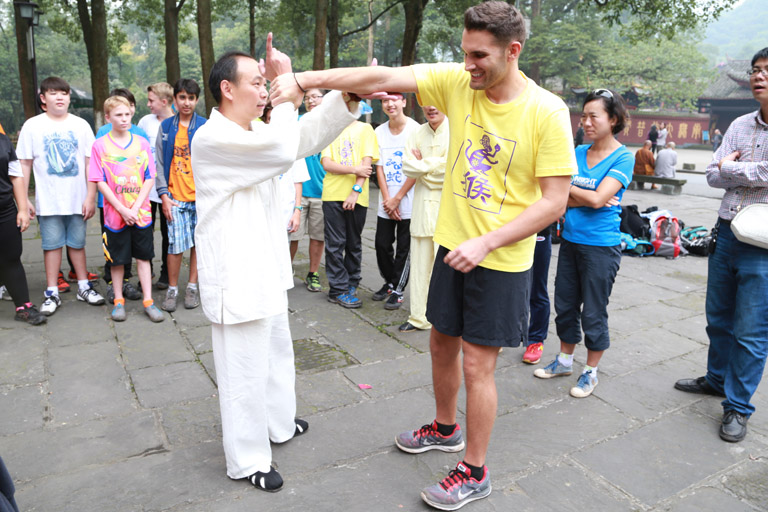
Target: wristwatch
[{"x": 357, "y": 188}]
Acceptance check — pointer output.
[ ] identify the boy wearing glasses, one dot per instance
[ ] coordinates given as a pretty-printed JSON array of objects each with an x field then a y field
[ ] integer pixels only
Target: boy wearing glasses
[{"x": 737, "y": 283}]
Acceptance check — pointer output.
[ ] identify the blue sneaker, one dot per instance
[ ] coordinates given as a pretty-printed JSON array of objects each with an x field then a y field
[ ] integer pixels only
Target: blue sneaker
[
  {"x": 585, "y": 386},
  {"x": 352, "y": 291},
  {"x": 457, "y": 489},
  {"x": 346, "y": 300},
  {"x": 428, "y": 438},
  {"x": 553, "y": 369}
]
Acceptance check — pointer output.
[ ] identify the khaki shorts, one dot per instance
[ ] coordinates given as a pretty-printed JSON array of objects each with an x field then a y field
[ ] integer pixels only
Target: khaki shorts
[{"x": 312, "y": 220}]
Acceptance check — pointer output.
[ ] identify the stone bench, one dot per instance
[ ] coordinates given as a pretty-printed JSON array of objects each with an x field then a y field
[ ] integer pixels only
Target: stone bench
[{"x": 669, "y": 186}]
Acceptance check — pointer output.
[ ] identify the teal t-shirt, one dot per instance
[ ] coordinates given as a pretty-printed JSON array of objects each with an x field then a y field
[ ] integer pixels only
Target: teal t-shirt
[
  {"x": 590, "y": 226},
  {"x": 314, "y": 187}
]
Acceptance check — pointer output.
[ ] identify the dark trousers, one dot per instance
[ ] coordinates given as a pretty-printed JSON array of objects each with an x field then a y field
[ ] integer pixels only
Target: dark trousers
[
  {"x": 343, "y": 246},
  {"x": 539, "y": 322},
  {"x": 394, "y": 264},
  {"x": 157, "y": 211},
  {"x": 11, "y": 270}
]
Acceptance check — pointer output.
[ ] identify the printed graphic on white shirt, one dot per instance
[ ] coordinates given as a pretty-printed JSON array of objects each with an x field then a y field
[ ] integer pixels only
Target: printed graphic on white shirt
[{"x": 391, "y": 150}]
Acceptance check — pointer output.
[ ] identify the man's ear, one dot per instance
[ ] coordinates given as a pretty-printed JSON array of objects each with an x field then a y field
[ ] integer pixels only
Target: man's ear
[
  {"x": 226, "y": 89},
  {"x": 513, "y": 50}
]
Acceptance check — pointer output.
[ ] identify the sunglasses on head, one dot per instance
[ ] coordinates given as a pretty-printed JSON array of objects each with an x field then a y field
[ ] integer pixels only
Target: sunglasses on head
[{"x": 603, "y": 93}]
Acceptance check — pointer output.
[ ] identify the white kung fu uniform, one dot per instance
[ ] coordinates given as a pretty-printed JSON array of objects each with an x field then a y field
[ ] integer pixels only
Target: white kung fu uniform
[
  {"x": 428, "y": 173},
  {"x": 244, "y": 267}
]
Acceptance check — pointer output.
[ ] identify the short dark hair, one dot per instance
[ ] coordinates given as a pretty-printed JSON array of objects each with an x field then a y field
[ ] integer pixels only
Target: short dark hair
[
  {"x": 224, "y": 69},
  {"x": 54, "y": 83},
  {"x": 501, "y": 19},
  {"x": 762, "y": 54},
  {"x": 613, "y": 104},
  {"x": 187, "y": 85},
  {"x": 125, "y": 93}
]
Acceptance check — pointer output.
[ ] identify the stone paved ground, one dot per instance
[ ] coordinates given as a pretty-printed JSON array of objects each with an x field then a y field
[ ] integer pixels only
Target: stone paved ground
[{"x": 97, "y": 416}]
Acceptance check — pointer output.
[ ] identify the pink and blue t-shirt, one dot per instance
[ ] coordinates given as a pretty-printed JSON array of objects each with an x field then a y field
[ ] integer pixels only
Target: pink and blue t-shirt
[{"x": 124, "y": 169}]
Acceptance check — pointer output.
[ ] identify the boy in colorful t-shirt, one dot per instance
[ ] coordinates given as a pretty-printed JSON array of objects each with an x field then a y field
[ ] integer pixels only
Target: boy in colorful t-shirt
[{"x": 124, "y": 170}]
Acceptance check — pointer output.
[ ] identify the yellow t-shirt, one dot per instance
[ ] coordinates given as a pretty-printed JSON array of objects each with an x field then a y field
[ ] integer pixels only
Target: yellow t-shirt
[
  {"x": 357, "y": 141},
  {"x": 181, "y": 182},
  {"x": 496, "y": 153}
]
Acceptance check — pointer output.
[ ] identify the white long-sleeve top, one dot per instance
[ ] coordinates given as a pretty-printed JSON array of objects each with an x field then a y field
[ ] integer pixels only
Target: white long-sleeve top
[
  {"x": 428, "y": 173},
  {"x": 243, "y": 262}
]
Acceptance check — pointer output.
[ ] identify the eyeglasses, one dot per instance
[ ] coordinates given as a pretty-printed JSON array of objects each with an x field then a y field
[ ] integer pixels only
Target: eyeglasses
[
  {"x": 313, "y": 97},
  {"x": 603, "y": 93},
  {"x": 757, "y": 71}
]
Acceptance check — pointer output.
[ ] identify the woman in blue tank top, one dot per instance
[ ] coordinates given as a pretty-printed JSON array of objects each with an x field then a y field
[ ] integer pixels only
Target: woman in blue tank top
[{"x": 590, "y": 253}]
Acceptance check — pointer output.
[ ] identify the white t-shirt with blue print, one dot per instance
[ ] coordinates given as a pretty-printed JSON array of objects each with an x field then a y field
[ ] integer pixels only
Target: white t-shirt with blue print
[{"x": 600, "y": 227}]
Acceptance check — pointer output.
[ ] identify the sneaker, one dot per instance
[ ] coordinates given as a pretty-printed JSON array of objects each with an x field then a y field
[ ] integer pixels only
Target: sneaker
[
  {"x": 90, "y": 296},
  {"x": 394, "y": 301},
  {"x": 4, "y": 295},
  {"x": 585, "y": 385},
  {"x": 169, "y": 304},
  {"x": 407, "y": 327},
  {"x": 110, "y": 294},
  {"x": 30, "y": 314},
  {"x": 162, "y": 282},
  {"x": 270, "y": 482},
  {"x": 553, "y": 369},
  {"x": 50, "y": 304},
  {"x": 130, "y": 292},
  {"x": 91, "y": 276},
  {"x": 533, "y": 353},
  {"x": 118, "y": 313},
  {"x": 352, "y": 291},
  {"x": 348, "y": 301},
  {"x": 154, "y": 314},
  {"x": 383, "y": 292},
  {"x": 428, "y": 438},
  {"x": 191, "y": 298},
  {"x": 62, "y": 283},
  {"x": 457, "y": 489},
  {"x": 313, "y": 282}
]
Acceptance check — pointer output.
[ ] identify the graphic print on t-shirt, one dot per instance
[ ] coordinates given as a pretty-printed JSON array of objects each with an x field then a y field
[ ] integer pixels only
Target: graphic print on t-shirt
[
  {"x": 393, "y": 166},
  {"x": 61, "y": 153},
  {"x": 347, "y": 154},
  {"x": 483, "y": 161}
]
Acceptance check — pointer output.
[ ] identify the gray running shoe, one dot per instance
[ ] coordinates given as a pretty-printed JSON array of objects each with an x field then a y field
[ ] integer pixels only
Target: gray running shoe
[
  {"x": 118, "y": 313},
  {"x": 428, "y": 438},
  {"x": 130, "y": 292},
  {"x": 169, "y": 304},
  {"x": 154, "y": 314},
  {"x": 457, "y": 489},
  {"x": 553, "y": 369},
  {"x": 90, "y": 296},
  {"x": 192, "y": 298}
]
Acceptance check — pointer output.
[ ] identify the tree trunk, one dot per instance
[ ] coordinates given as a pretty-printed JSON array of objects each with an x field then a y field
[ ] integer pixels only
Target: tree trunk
[
  {"x": 205, "y": 35},
  {"x": 26, "y": 73},
  {"x": 535, "y": 67},
  {"x": 321, "y": 28},
  {"x": 171, "y": 25},
  {"x": 252, "y": 27},
  {"x": 94, "y": 25},
  {"x": 333, "y": 34},
  {"x": 414, "y": 16}
]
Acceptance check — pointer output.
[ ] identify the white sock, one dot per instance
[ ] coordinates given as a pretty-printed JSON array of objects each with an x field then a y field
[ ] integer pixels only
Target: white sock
[
  {"x": 565, "y": 359},
  {"x": 588, "y": 368},
  {"x": 192, "y": 286},
  {"x": 54, "y": 290},
  {"x": 173, "y": 288},
  {"x": 83, "y": 285}
]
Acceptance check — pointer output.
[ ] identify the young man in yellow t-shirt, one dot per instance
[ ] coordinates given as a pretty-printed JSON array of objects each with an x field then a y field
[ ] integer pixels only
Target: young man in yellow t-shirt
[
  {"x": 507, "y": 176},
  {"x": 348, "y": 164},
  {"x": 176, "y": 188}
]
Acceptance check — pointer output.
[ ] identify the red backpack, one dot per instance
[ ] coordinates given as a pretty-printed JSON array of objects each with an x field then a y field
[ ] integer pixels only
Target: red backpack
[{"x": 665, "y": 237}]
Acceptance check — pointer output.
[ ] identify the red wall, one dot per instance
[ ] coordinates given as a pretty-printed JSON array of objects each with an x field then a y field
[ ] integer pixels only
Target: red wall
[{"x": 682, "y": 129}]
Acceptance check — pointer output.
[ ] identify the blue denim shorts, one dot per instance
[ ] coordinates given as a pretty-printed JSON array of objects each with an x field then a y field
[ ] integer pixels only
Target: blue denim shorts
[{"x": 60, "y": 230}]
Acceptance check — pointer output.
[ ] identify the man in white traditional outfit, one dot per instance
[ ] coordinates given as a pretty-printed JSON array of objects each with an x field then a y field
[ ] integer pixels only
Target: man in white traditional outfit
[{"x": 243, "y": 258}]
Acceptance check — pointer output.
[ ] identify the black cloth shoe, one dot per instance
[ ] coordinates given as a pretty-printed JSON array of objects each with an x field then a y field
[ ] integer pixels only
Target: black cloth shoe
[
  {"x": 394, "y": 301},
  {"x": 700, "y": 386},
  {"x": 407, "y": 327},
  {"x": 734, "y": 426},
  {"x": 130, "y": 292},
  {"x": 270, "y": 482},
  {"x": 301, "y": 427},
  {"x": 162, "y": 282},
  {"x": 383, "y": 292}
]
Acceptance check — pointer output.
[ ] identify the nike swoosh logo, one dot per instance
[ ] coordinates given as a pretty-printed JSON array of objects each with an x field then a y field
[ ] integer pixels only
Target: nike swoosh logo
[{"x": 463, "y": 495}]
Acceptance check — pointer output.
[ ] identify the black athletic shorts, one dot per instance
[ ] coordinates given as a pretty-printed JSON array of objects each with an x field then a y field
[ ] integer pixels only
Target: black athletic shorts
[
  {"x": 484, "y": 306},
  {"x": 131, "y": 242}
]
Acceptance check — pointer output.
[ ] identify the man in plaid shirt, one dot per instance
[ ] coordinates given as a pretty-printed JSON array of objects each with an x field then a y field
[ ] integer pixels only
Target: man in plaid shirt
[{"x": 737, "y": 285}]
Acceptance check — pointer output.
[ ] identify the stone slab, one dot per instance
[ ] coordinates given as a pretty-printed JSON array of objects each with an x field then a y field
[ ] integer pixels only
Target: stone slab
[
  {"x": 663, "y": 458},
  {"x": 416, "y": 340},
  {"x": 706, "y": 498},
  {"x": 207, "y": 361},
  {"x": 643, "y": 349},
  {"x": 750, "y": 482},
  {"x": 192, "y": 423},
  {"x": 692, "y": 327},
  {"x": 199, "y": 338},
  {"x": 393, "y": 376},
  {"x": 22, "y": 356},
  {"x": 87, "y": 382},
  {"x": 158, "y": 386},
  {"x": 325, "y": 390},
  {"x": 93, "y": 442},
  {"x": 147, "y": 344},
  {"x": 22, "y": 409},
  {"x": 70, "y": 329}
]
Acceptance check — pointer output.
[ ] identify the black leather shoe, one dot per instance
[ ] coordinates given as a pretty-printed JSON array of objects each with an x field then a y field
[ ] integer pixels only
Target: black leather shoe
[
  {"x": 700, "y": 386},
  {"x": 734, "y": 426},
  {"x": 407, "y": 327}
]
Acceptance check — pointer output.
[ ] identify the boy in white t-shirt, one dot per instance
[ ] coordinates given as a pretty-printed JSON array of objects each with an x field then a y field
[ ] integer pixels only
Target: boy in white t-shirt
[
  {"x": 159, "y": 101},
  {"x": 395, "y": 202},
  {"x": 57, "y": 146}
]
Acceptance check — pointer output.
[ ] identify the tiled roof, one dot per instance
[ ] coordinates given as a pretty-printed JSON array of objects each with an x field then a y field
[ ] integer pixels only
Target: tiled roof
[{"x": 731, "y": 82}]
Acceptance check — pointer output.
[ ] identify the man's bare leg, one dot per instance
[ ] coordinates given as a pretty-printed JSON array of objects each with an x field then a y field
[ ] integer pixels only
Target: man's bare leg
[
  {"x": 482, "y": 400},
  {"x": 446, "y": 374}
]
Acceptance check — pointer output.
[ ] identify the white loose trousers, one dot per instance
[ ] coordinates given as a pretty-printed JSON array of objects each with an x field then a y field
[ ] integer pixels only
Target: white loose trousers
[
  {"x": 423, "y": 251},
  {"x": 256, "y": 378}
]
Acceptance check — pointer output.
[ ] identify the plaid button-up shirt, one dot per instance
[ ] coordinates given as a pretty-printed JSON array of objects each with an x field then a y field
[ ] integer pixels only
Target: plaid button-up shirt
[{"x": 746, "y": 180}]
